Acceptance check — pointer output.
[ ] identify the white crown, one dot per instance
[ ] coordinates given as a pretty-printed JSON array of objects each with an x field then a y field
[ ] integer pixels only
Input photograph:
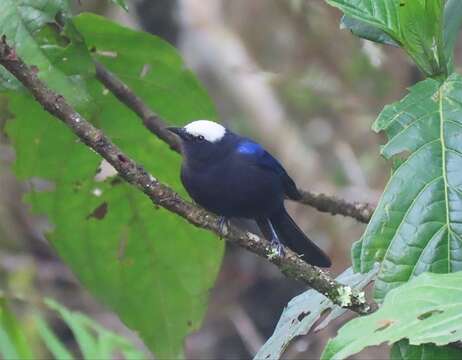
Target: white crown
[{"x": 211, "y": 131}]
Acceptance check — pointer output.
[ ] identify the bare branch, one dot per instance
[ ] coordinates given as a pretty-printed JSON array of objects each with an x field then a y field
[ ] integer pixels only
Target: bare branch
[
  {"x": 321, "y": 202},
  {"x": 333, "y": 205},
  {"x": 150, "y": 119},
  {"x": 290, "y": 264}
]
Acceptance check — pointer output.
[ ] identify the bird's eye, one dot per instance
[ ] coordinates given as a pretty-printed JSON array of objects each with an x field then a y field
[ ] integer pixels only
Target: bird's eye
[{"x": 201, "y": 138}]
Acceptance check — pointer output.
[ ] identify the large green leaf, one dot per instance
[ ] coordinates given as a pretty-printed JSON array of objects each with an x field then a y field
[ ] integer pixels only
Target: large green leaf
[
  {"x": 304, "y": 310},
  {"x": 150, "y": 66},
  {"x": 148, "y": 265},
  {"x": 416, "y": 226},
  {"x": 417, "y": 25},
  {"x": 428, "y": 309}
]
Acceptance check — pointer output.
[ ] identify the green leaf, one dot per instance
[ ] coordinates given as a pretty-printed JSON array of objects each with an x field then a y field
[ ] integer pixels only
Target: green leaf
[
  {"x": 94, "y": 341},
  {"x": 53, "y": 344},
  {"x": 403, "y": 351},
  {"x": 86, "y": 341},
  {"x": 13, "y": 343},
  {"x": 421, "y": 25},
  {"x": 121, "y": 3},
  {"x": 7, "y": 348},
  {"x": 382, "y": 15},
  {"x": 66, "y": 50},
  {"x": 151, "y": 67},
  {"x": 366, "y": 31},
  {"x": 452, "y": 23},
  {"x": 20, "y": 20},
  {"x": 425, "y": 310},
  {"x": 151, "y": 267},
  {"x": 416, "y": 226},
  {"x": 416, "y": 25},
  {"x": 304, "y": 310}
]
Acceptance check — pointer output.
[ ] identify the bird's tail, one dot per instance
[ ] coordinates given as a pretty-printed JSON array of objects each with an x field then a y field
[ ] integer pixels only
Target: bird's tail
[{"x": 294, "y": 238}]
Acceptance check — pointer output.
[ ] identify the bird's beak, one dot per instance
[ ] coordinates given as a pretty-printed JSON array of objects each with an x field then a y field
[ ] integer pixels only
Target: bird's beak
[{"x": 177, "y": 131}]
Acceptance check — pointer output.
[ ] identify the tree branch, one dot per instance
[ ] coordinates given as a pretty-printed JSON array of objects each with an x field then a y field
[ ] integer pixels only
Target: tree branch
[
  {"x": 290, "y": 264},
  {"x": 321, "y": 202},
  {"x": 333, "y": 205}
]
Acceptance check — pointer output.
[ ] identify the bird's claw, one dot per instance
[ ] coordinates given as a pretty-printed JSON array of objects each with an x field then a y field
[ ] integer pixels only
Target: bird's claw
[
  {"x": 223, "y": 226},
  {"x": 277, "y": 247}
]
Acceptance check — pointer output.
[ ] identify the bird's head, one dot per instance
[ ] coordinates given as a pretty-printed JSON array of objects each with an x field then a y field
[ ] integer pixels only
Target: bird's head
[{"x": 202, "y": 140}]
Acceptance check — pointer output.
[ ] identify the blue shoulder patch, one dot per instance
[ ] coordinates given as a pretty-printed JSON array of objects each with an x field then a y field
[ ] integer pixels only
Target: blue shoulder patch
[
  {"x": 260, "y": 156},
  {"x": 249, "y": 147},
  {"x": 255, "y": 154}
]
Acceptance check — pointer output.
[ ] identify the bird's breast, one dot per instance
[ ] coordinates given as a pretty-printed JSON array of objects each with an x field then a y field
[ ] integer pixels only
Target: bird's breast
[{"x": 234, "y": 191}]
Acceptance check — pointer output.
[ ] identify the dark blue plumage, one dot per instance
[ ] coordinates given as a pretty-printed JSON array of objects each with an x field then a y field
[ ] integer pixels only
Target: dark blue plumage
[{"x": 235, "y": 177}]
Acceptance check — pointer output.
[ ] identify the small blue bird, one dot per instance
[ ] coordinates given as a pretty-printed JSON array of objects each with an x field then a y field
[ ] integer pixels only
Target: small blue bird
[{"x": 234, "y": 177}]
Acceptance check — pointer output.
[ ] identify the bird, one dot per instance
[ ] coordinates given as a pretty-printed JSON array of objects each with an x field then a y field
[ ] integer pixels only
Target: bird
[{"x": 235, "y": 177}]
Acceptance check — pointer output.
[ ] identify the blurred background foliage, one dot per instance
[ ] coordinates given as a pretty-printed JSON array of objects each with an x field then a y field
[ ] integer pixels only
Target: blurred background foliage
[{"x": 282, "y": 72}]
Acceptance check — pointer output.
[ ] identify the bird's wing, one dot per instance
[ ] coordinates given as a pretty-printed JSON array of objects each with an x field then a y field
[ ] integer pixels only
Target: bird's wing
[{"x": 256, "y": 154}]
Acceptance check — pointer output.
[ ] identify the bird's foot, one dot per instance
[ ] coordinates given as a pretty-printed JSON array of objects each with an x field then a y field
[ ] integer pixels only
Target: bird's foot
[
  {"x": 223, "y": 225},
  {"x": 277, "y": 247}
]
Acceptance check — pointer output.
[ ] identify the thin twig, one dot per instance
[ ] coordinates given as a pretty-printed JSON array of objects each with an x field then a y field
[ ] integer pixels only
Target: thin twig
[
  {"x": 321, "y": 202},
  {"x": 290, "y": 264}
]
